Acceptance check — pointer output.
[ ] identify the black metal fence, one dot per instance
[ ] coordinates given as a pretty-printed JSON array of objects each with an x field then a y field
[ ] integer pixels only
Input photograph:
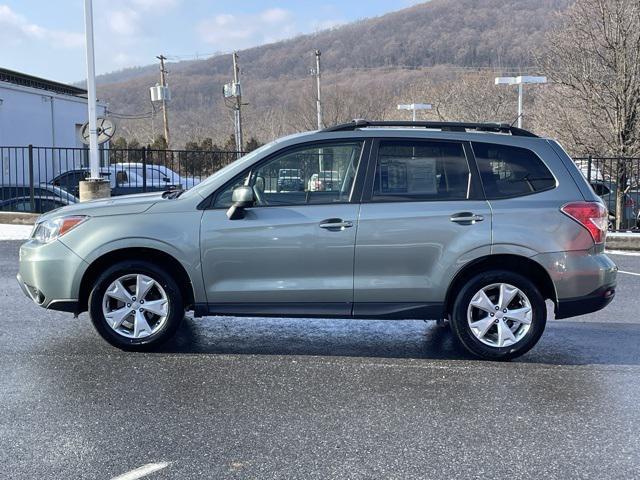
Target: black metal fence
[
  {"x": 38, "y": 179},
  {"x": 617, "y": 181}
]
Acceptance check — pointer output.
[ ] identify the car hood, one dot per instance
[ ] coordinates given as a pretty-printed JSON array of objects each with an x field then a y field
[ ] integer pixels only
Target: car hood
[{"x": 120, "y": 205}]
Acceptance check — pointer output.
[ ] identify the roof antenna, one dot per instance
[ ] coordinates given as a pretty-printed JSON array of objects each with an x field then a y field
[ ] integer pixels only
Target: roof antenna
[{"x": 516, "y": 120}]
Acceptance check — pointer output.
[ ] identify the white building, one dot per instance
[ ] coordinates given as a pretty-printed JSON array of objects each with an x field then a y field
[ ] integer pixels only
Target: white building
[
  {"x": 47, "y": 115},
  {"x": 41, "y": 112}
]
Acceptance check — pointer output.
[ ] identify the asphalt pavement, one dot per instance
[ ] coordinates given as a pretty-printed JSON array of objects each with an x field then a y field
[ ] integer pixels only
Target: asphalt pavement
[{"x": 316, "y": 399}]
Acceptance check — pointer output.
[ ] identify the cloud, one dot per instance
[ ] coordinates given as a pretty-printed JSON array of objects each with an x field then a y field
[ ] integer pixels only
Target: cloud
[
  {"x": 124, "y": 22},
  {"x": 276, "y": 15},
  {"x": 127, "y": 18},
  {"x": 16, "y": 29},
  {"x": 155, "y": 4},
  {"x": 229, "y": 32}
]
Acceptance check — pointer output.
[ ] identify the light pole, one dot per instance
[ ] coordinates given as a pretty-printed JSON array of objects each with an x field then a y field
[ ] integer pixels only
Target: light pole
[
  {"x": 520, "y": 81},
  {"x": 94, "y": 162},
  {"x": 414, "y": 107},
  {"x": 95, "y": 186}
]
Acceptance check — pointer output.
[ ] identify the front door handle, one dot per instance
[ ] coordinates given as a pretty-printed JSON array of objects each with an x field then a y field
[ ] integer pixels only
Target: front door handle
[
  {"x": 335, "y": 224},
  {"x": 466, "y": 217}
]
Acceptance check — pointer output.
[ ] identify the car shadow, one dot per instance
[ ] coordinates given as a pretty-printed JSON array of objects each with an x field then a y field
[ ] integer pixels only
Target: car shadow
[{"x": 564, "y": 342}]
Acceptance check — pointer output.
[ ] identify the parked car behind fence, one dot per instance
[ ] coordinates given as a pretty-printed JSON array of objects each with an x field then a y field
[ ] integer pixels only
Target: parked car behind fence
[
  {"x": 39, "y": 199},
  {"x": 54, "y": 174},
  {"x": 608, "y": 193},
  {"x": 606, "y": 175}
]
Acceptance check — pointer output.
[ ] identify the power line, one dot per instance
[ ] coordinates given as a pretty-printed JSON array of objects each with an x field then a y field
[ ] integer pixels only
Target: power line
[
  {"x": 193, "y": 56},
  {"x": 129, "y": 116},
  {"x": 442, "y": 68}
]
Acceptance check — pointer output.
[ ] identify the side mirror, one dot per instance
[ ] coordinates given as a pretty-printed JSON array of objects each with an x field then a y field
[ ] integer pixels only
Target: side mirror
[{"x": 241, "y": 198}]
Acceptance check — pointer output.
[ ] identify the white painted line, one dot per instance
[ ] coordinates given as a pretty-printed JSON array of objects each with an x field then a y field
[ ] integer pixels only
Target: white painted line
[
  {"x": 629, "y": 273},
  {"x": 622, "y": 252},
  {"x": 142, "y": 471},
  {"x": 15, "y": 232}
]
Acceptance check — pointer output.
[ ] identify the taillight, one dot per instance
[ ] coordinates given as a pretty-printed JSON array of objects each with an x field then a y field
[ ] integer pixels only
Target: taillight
[
  {"x": 629, "y": 202},
  {"x": 591, "y": 215}
]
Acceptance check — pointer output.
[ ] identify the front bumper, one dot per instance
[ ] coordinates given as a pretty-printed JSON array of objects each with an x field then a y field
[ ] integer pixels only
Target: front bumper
[{"x": 48, "y": 275}]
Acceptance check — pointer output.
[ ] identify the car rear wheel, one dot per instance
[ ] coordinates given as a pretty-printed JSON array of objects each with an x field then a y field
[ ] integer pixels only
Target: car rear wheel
[
  {"x": 499, "y": 315},
  {"x": 135, "y": 305}
]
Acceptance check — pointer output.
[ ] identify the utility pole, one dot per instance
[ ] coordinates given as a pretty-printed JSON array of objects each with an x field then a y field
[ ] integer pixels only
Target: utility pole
[
  {"x": 318, "y": 98},
  {"x": 163, "y": 83},
  {"x": 238, "y": 97}
]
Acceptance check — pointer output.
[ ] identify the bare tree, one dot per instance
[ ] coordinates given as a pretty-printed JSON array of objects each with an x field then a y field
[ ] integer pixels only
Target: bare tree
[
  {"x": 468, "y": 97},
  {"x": 594, "y": 57}
]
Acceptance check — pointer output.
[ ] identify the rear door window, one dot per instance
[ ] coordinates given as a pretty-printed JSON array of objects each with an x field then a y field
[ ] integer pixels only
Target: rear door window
[
  {"x": 508, "y": 171},
  {"x": 408, "y": 170}
]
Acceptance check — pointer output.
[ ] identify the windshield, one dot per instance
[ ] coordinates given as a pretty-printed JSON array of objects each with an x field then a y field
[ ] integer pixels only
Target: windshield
[{"x": 203, "y": 186}]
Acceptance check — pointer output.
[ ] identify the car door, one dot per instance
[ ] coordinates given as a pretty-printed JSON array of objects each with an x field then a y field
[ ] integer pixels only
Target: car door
[
  {"x": 292, "y": 253},
  {"x": 422, "y": 217}
]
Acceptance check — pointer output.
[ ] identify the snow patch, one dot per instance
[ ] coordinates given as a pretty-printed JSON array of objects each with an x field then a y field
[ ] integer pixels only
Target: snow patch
[{"x": 15, "y": 232}]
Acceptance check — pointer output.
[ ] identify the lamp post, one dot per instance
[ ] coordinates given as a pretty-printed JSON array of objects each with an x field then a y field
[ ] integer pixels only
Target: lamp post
[
  {"x": 414, "y": 107},
  {"x": 520, "y": 81},
  {"x": 94, "y": 186}
]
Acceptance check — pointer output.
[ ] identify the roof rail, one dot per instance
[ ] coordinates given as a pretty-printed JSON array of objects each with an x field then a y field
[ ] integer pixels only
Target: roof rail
[{"x": 444, "y": 126}]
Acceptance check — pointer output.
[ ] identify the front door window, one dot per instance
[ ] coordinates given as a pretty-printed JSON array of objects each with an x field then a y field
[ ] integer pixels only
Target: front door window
[{"x": 318, "y": 174}]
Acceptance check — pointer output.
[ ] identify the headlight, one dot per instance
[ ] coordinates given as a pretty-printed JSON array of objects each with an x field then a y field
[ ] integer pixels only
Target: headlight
[{"x": 49, "y": 230}]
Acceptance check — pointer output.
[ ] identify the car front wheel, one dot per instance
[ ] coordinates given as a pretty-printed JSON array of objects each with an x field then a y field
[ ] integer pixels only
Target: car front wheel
[
  {"x": 499, "y": 315},
  {"x": 135, "y": 305}
]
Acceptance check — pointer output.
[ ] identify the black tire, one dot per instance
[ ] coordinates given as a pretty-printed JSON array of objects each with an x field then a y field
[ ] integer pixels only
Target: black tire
[
  {"x": 175, "y": 308},
  {"x": 463, "y": 331}
]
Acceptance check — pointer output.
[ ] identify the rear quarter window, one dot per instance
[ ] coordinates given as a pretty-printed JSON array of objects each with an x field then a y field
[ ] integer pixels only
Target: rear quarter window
[{"x": 508, "y": 171}]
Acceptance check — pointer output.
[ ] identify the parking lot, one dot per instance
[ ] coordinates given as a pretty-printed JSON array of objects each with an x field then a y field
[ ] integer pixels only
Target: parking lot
[{"x": 271, "y": 398}]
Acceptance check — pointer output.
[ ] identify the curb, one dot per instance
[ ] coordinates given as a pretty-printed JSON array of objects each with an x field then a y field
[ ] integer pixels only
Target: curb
[
  {"x": 623, "y": 241},
  {"x": 17, "y": 218}
]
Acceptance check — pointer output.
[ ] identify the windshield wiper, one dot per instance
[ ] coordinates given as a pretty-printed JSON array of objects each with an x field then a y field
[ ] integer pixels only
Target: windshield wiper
[{"x": 171, "y": 194}]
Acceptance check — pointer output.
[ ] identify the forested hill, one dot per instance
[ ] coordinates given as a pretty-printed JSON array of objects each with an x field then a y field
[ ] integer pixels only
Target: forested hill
[{"x": 458, "y": 33}]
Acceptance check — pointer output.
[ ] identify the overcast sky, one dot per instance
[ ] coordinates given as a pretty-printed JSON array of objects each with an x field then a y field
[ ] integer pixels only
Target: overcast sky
[{"x": 46, "y": 38}]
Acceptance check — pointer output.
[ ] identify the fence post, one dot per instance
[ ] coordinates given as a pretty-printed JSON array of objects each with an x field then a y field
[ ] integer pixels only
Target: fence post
[
  {"x": 144, "y": 169},
  {"x": 31, "y": 186},
  {"x": 589, "y": 163}
]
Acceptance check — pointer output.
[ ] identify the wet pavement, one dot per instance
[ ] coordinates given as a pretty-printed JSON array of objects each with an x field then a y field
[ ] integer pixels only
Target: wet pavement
[{"x": 308, "y": 398}]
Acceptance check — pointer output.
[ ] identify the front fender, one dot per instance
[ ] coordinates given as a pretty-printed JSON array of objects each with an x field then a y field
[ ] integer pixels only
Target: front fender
[{"x": 175, "y": 234}]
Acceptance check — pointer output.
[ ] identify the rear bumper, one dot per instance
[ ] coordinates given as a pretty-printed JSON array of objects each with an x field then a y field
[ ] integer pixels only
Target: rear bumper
[
  {"x": 584, "y": 281},
  {"x": 572, "y": 307}
]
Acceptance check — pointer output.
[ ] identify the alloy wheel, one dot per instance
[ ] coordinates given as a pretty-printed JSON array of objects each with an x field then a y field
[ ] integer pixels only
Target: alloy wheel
[
  {"x": 135, "y": 306},
  {"x": 499, "y": 315}
]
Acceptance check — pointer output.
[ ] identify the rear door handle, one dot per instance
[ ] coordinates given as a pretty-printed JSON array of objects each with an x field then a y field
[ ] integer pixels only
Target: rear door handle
[
  {"x": 335, "y": 224},
  {"x": 466, "y": 217}
]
